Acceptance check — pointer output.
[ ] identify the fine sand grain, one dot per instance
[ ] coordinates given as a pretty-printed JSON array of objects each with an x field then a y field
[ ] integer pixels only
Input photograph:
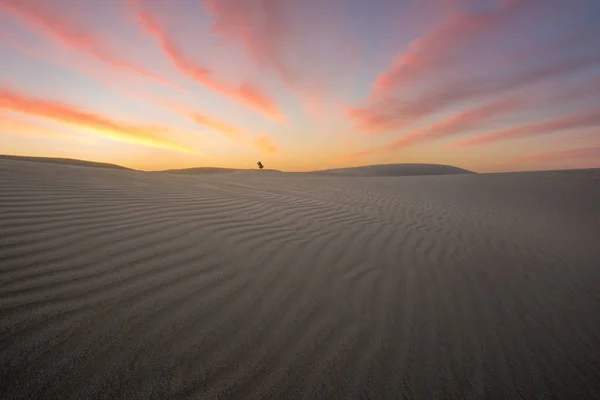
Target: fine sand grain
[{"x": 120, "y": 284}]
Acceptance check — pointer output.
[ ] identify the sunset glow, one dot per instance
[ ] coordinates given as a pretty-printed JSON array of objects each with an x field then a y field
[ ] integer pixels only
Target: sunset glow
[{"x": 487, "y": 85}]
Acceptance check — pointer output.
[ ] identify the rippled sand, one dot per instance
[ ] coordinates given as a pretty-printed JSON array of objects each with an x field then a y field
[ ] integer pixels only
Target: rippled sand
[{"x": 131, "y": 285}]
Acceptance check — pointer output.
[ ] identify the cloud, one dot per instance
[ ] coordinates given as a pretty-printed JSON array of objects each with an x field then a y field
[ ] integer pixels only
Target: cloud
[
  {"x": 357, "y": 154},
  {"x": 72, "y": 34},
  {"x": 16, "y": 126},
  {"x": 301, "y": 42},
  {"x": 99, "y": 124},
  {"x": 228, "y": 130},
  {"x": 446, "y": 45},
  {"x": 265, "y": 144},
  {"x": 461, "y": 61},
  {"x": 394, "y": 114},
  {"x": 455, "y": 124},
  {"x": 260, "y": 26},
  {"x": 262, "y": 142},
  {"x": 562, "y": 155},
  {"x": 225, "y": 129},
  {"x": 587, "y": 119},
  {"x": 459, "y": 123},
  {"x": 245, "y": 93}
]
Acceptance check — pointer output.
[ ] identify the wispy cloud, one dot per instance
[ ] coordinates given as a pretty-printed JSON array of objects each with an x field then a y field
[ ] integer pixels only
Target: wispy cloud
[
  {"x": 394, "y": 114},
  {"x": 259, "y": 26},
  {"x": 262, "y": 142},
  {"x": 265, "y": 143},
  {"x": 439, "y": 70},
  {"x": 71, "y": 33},
  {"x": 9, "y": 124},
  {"x": 455, "y": 124},
  {"x": 562, "y": 155},
  {"x": 301, "y": 42},
  {"x": 444, "y": 46},
  {"x": 267, "y": 30},
  {"x": 245, "y": 93},
  {"x": 99, "y": 124},
  {"x": 583, "y": 120},
  {"x": 227, "y": 129},
  {"x": 224, "y": 128},
  {"x": 459, "y": 123}
]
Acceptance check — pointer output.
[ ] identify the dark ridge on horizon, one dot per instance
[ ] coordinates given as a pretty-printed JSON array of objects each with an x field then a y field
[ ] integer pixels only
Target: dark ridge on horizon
[
  {"x": 381, "y": 170},
  {"x": 64, "y": 161},
  {"x": 414, "y": 169},
  {"x": 367, "y": 170}
]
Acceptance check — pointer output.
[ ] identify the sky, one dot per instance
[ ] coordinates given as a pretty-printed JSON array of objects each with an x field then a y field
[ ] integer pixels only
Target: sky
[{"x": 487, "y": 85}]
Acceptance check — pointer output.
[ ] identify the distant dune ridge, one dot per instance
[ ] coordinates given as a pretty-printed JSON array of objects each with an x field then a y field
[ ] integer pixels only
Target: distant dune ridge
[
  {"x": 62, "y": 161},
  {"x": 397, "y": 170},
  {"x": 369, "y": 170},
  {"x": 131, "y": 285}
]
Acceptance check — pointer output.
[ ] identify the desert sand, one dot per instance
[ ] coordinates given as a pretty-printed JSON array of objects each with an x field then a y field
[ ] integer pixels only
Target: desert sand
[{"x": 133, "y": 285}]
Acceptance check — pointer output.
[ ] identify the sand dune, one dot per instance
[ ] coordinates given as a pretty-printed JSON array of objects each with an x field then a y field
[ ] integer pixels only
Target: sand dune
[
  {"x": 397, "y": 170},
  {"x": 62, "y": 161},
  {"x": 130, "y": 285}
]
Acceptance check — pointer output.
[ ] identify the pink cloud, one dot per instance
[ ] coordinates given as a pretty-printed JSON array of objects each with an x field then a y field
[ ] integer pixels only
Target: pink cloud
[
  {"x": 588, "y": 119},
  {"x": 459, "y": 123},
  {"x": 390, "y": 114},
  {"x": 245, "y": 93},
  {"x": 456, "y": 124},
  {"x": 294, "y": 40},
  {"x": 561, "y": 155},
  {"x": 357, "y": 154},
  {"x": 70, "y": 33},
  {"x": 434, "y": 73},
  {"x": 442, "y": 47},
  {"x": 260, "y": 26}
]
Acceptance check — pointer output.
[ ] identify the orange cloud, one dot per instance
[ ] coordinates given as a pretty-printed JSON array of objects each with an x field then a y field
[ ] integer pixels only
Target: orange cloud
[
  {"x": 16, "y": 126},
  {"x": 73, "y": 35},
  {"x": 265, "y": 143},
  {"x": 225, "y": 129},
  {"x": 577, "y": 154},
  {"x": 245, "y": 93},
  {"x": 230, "y": 131},
  {"x": 70, "y": 115},
  {"x": 262, "y": 143},
  {"x": 583, "y": 120}
]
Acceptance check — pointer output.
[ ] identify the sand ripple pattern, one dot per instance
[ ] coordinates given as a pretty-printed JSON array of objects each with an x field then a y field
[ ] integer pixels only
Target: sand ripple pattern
[{"x": 131, "y": 285}]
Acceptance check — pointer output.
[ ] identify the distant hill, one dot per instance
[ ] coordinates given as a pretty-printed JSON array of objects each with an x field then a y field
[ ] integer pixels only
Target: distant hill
[
  {"x": 367, "y": 170},
  {"x": 212, "y": 170},
  {"x": 63, "y": 161},
  {"x": 397, "y": 170}
]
